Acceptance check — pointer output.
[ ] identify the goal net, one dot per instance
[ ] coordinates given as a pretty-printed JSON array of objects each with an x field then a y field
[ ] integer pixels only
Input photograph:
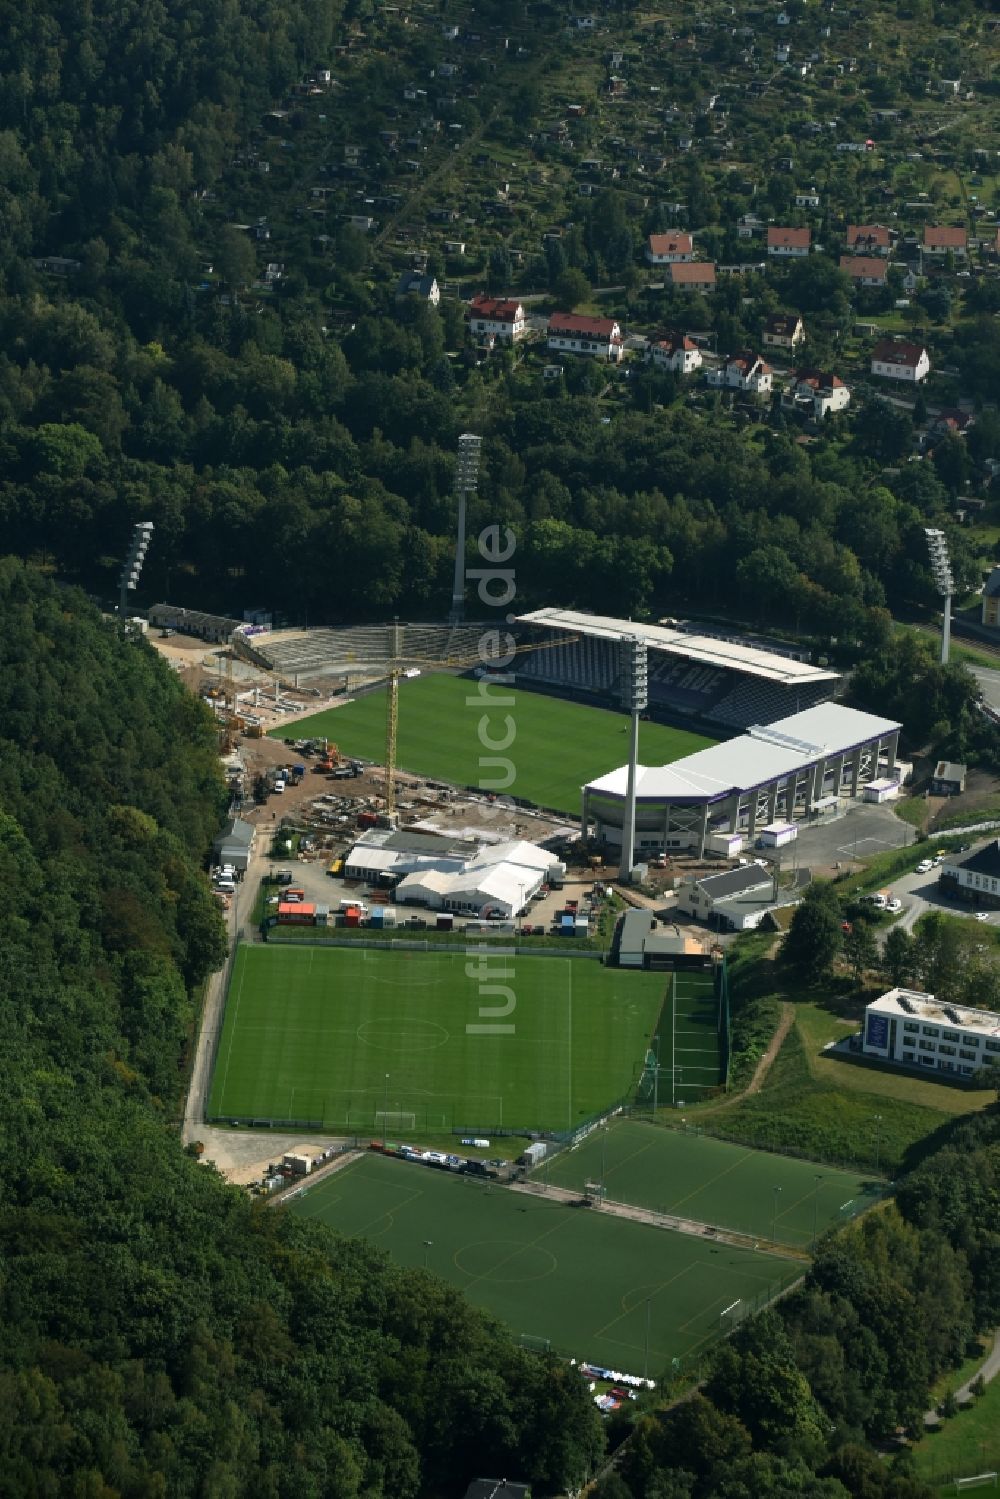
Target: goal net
[{"x": 394, "y": 1119}]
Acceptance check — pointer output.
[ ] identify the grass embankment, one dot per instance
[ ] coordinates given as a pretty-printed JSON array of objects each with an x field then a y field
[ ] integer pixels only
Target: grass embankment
[
  {"x": 824, "y": 1106},
  {"x": 964, "y": 1445}
]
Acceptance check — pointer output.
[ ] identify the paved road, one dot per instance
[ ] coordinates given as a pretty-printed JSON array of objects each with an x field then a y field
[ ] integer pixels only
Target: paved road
[
  {"x": 988, "y": 1369},
  {"x": 988, "y": 678},
  {"x": 239, "y": 1154}
]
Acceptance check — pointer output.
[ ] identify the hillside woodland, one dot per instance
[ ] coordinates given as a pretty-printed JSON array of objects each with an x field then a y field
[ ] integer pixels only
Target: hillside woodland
[{"x": 161, "y": 1334}]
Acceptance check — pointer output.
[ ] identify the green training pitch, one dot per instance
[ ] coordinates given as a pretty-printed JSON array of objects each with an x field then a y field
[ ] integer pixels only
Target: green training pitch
[
  {"x": 360, "y": 1040},
  {"x": 557, "y": 748},
  {"x": 580, "y": 1279},
  {"x": 712, "y": 1181}
]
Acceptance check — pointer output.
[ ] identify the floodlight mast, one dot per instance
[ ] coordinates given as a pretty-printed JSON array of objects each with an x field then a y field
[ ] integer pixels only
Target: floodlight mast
[
  {"x": 635, "y": 697},
  {"x": 937, "y": 546},
  {"x": 142, "y": 535},
  {"x": 466, "y": 477}
]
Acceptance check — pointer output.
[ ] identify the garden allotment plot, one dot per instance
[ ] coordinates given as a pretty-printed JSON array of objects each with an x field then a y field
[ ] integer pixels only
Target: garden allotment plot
[
  {"x": 588, "y": 1283},
  {"x": 711, "y": 1181},
  {"x": 364, "y": 1040}
]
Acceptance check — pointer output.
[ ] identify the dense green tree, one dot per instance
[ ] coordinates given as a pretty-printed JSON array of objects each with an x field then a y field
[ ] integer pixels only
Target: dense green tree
[{"x": 814, "y": 937}]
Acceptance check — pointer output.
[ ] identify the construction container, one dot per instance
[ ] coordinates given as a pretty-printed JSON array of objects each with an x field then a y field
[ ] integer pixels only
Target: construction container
[
  {"x": 533, "y": 1154},
  {"x": 567, "y": 924},
  {"x": 352, "y": 916},
  {"x": 445, "y": 922},
  {"x": 299, "y": 914},
  {"x": 581, "y": 927},
  {"x": 777, "y": 834},
  {"x": 377, "y": 918}
]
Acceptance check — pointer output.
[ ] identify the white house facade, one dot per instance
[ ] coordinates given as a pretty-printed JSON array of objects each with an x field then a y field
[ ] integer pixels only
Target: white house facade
[
  {"x": 900, "y": 361},
  {"x": 599, "y": 337}
]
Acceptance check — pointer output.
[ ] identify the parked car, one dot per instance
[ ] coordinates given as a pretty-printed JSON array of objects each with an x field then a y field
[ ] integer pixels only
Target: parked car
[
  {"x": 894, "y": 905},
  {"x": 925, "y": 866}
]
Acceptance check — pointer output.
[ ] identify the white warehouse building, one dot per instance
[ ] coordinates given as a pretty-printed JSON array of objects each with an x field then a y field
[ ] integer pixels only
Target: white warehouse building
[
  {"x": 496, "y": 880},
  {"x": 918, "y": 1030}
]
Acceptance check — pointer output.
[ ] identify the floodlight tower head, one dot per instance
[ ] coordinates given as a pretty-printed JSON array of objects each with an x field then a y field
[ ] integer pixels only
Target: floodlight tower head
[
  {"x": 142, "y": 535},
  {"x": 937, "y": 546},
  {"x": 466, "y": 478}
]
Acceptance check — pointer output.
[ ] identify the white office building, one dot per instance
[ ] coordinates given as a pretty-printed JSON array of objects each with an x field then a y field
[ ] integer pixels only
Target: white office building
[{"x": 907, "y": 1026}]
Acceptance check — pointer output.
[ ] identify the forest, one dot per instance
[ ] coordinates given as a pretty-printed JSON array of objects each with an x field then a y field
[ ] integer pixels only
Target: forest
[
  {"x": 162, "y": 1333},
  {"x": 147, "y": 372}
]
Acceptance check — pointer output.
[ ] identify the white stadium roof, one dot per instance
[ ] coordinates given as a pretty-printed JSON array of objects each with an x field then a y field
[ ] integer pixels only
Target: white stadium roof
[
  {"x": 764, "y": 754},
  {"x": 704, "y": 649}
]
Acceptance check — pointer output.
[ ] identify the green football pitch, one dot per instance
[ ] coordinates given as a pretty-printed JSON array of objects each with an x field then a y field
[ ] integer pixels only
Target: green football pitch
[
  {"x": 361, "y": 1040},
  {"x": 588, "y": 1283},
  {"x": 688, "y": 1175},
  {"x": 557, "y": 747}
]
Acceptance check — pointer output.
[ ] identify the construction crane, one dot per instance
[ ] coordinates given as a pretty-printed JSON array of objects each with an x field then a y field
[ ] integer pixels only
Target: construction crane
[{"x": 402, "y": 664}]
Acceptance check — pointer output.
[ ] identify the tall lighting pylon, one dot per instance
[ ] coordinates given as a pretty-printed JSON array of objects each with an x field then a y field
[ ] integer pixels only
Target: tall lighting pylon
[
  {"x": 635, "y": 697},
  {"x": 142, "y": 535},
  {"x": 937, "y": 545},
  {"x": 466, "y": 476}
]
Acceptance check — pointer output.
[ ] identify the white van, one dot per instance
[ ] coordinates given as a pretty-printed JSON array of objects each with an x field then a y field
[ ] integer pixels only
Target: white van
[
  {"x": 225, "y": 887},
  {"x": 279, "y": 786}
]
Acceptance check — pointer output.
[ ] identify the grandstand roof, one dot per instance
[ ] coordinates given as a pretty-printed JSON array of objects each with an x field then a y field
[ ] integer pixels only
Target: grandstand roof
[
  {"x": 765, "y": 754},
  {"x": 704, "y": 649}
]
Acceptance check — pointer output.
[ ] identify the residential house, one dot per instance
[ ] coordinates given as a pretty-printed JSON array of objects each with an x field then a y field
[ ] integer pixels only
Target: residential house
[
  {"x": 807, "y": 199},
  {"x": 783, "y": 330},
  {"x": 900, "y": 361},
  {"x": 788, "y": 242},
  {"x": 749, "y": 224},
  {"x": 939, "y": 239},
  {"x": 694, "y": 275},
  {"x": 669, "y": 249},
  {"x": 599, "y": 337},
  {"x": 746, "y": 372},
  {"x": 991, "y": 600},
  {"x": 951, "y": 421},
  {"x": 865, "y": 270},
  {"x": 816, "y": 393},
  {"x": 413, "y": 284},
  {"x": 498, "y": 319},
  {"x": 868, "y": 239},
  {"x": 675, "y": 352}
]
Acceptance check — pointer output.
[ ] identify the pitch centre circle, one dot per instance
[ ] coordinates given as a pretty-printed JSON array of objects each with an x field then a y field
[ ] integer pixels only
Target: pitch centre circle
[
  {"x": 413, "y": 1035},
  {"x": 505, "y": 1262}
]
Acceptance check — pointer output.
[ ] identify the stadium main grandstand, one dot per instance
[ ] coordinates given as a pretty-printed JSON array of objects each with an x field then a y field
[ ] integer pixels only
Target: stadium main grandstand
[
  {"x": 798, "y": 769},
  {"x": 691, "y": 674}
]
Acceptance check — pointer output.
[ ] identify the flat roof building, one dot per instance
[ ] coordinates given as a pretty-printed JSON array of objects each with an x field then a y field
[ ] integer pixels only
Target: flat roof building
[
  {"x": 795, "y": 769},
  {"x": 917, "y": 1030}
]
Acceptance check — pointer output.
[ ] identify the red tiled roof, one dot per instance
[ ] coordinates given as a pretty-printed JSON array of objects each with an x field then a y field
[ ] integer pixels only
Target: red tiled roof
[
  {"x": 692, "y": 272},
  {"x": 887, "y": 351},
  {"x": 671, "y": 342},
  {"x": 817, "y": 379},
  {"x": 496, "y": 308},
  {"x": 677, "y": 242},
  {"x": 798, "y": 239},
  {"x": 864, "y": 266},
  {"x": 748, "y": 361},
  {"x": 944, "y": 237},
  {"x": 783, "y": 324},
  {"x": 868, "y": 236},
  {"x": 587, "y": 327}
]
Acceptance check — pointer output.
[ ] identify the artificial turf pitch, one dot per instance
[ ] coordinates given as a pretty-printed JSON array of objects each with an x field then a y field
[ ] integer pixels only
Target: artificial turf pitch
[
  {"x": 557, "y": 747},
  {"x": 361, "y": 1040},
  {"x": 689, "y": 1175},
  {"x": 586, "y": 1281}
]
